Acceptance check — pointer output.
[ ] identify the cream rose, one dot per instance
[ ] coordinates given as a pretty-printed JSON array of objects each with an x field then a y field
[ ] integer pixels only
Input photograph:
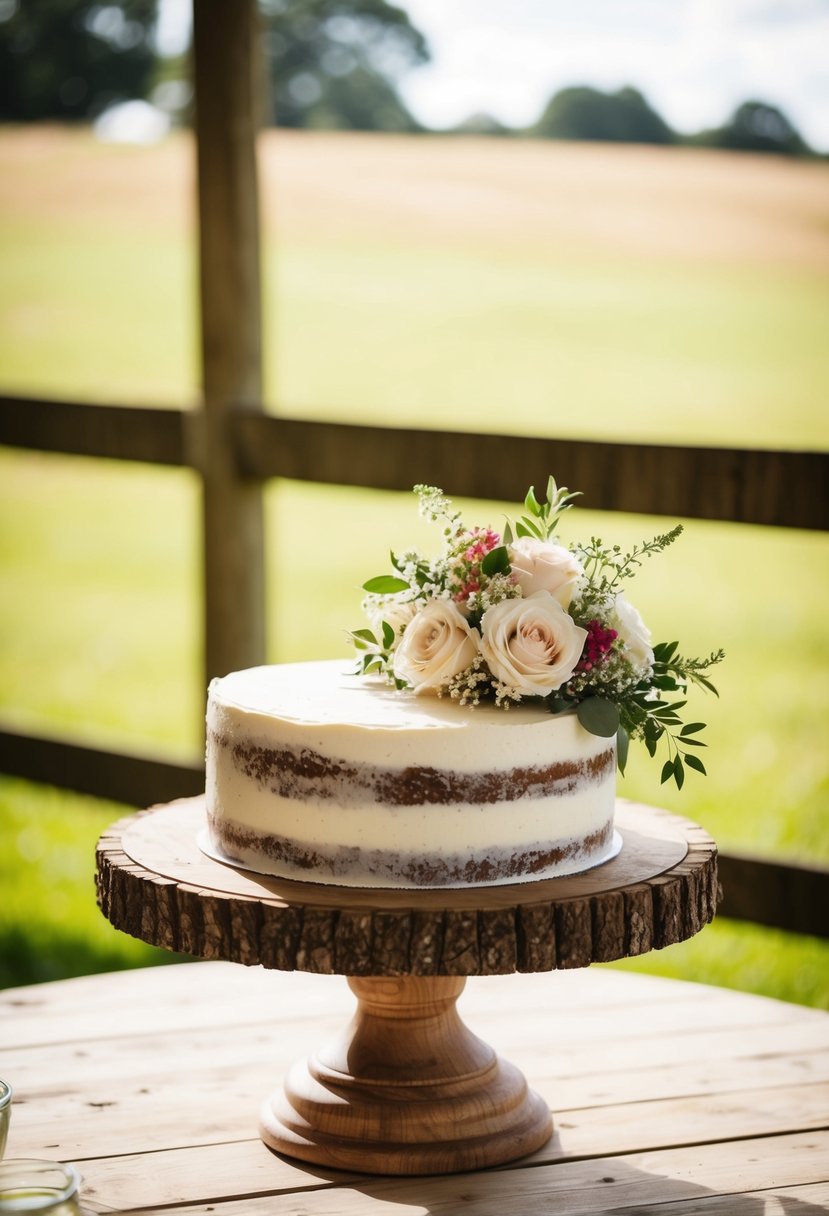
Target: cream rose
[
  {"x": 436, "y": 645},
  {"x": 531, "y": 644},
  {"x": 540, "y": 565},
  {"x": 633, "y": 632}
]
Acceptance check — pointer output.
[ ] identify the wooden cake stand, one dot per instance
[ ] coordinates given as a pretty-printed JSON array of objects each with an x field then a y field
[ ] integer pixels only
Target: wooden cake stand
[{"x": 406, "y": 1088}]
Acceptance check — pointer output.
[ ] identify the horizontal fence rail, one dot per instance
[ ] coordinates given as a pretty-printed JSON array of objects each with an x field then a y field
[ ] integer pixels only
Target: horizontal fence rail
[
  {"x": 749, "y": 486},
  {"x": 134, "y": 780},
  {"x": 779, "y": 895}
]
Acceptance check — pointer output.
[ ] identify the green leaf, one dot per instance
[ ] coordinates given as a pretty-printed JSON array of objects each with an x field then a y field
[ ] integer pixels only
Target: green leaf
[
  {"x": 395, "y": 560},
  {"x": 385, "y": 584},
  {"x": 691, "y": 728},
  {"x": 363, "y": 638},
  {"x": 664, "y": 651},
  {"x": 622, "y": 747},
  {"x": 679, "y": 772},
  {"x": 496, "y": 561},
  {"x": 599, "y": 716},
  {"x": 693, "y": 743},
  {"x": 695, "y": 763},
  {"x": 650, "y": 744},
  {"x": 531, "y": 502},
  {"x": 507, "y": 533},
  {"x": 526, "y": 527},
  {"x": 667, "y": 771},
  {"x": 388, "y": 636}
]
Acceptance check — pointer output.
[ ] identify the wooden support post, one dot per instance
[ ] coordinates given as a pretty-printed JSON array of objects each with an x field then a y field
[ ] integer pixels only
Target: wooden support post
[{"x": 225, "y": 46}]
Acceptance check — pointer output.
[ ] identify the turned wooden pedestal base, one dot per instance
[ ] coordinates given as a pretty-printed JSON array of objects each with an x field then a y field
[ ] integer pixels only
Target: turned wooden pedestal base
[{"x": 406, "y": 1089}]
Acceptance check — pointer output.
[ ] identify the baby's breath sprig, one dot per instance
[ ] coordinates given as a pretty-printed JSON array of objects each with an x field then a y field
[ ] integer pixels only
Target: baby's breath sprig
[{"x": 433, "y": 504}]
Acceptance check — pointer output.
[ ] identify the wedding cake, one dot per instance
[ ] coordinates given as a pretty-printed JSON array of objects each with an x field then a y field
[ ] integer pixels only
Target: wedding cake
[
  {"x": 317, "y": 774},
  {"x": 477, "y": 740}
]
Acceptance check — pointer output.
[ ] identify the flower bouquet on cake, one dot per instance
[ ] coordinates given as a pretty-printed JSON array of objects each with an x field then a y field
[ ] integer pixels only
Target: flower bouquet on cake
[{"x": 520, "y": 615}]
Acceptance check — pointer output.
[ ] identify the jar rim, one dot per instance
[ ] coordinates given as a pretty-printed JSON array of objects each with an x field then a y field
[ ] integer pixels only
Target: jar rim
[{"x": 58, "y": 1181}]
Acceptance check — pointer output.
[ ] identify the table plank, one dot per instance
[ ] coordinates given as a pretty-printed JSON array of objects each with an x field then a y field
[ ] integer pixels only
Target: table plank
[
  {"x": 188, "y": 1111},
  {"x": 192, "y": 996},
  {"x": 657, "y": 1181},
  {"x": 152, "y": 1081}
]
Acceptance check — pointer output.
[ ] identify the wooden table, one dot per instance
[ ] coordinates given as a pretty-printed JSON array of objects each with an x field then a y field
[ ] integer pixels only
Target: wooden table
[{"x": 672, "y": 1099}]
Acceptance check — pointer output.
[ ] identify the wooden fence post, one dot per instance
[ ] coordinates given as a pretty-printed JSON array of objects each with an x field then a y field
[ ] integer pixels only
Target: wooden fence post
[{"x": 225, "y": 49}]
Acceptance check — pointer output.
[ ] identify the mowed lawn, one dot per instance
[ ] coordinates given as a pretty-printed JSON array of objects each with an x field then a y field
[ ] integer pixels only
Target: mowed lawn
[{"x": 510, "y": 286}]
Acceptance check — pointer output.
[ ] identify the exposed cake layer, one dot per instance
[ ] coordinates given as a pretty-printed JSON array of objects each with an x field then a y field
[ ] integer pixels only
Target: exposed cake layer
[
  {"x": 314, "y": 773},
  {"x": 394, "y": 868}
]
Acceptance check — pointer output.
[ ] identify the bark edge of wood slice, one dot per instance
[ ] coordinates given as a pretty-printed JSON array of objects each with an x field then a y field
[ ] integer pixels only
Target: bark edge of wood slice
[{"x": 154, "y": 883}]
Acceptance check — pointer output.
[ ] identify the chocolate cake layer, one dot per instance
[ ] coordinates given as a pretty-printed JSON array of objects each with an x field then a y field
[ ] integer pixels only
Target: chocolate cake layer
[
  {"x": 307, "y": 775},
  {"x": 432, "y": 869}
]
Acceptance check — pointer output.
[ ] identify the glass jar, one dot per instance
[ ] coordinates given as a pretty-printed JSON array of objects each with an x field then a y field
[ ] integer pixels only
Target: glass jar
[
  {"x": 5, "y": 1113},
  {"x": 38, "y": 1186}
]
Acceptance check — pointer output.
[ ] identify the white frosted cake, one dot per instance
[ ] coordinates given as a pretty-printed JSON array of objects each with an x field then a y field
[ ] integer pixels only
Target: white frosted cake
[{"x": 323, "y": 776}]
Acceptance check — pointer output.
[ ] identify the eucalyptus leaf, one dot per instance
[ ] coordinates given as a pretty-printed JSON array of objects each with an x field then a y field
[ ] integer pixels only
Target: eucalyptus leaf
[
  {"x": 692, "y": 727},
  {"x": 599, "y": 716},
  {"x": 622, "y": 747},
  {"x": 496, "y": 561},
  {"x": 695, "y": 763},
  {"x": 679, "y": 772},
  {"x": 385, "y": 584},
  {"x": 667, "y": 771}
]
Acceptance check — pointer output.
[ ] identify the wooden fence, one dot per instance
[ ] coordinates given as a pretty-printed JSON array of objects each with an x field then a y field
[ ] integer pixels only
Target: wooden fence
[{"x": 234, "y": 447}]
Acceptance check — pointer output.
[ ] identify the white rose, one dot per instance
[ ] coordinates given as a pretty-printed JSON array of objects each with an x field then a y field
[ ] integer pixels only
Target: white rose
[
  {"x": 394, "y": 611},
  {"x": 539, "y": 565},
  {"x": 436, "y": 645},
  {"x": 532, "y": 644},
  {"x": 633, "y": 632}
]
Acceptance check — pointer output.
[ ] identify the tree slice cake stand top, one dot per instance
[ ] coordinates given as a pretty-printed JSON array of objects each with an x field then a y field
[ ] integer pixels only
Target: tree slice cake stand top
[{"x": 406, "y": 1088}]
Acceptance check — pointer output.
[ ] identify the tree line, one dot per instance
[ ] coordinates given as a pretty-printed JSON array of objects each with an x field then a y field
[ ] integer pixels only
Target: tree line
[{"x": 331, "y": 64}]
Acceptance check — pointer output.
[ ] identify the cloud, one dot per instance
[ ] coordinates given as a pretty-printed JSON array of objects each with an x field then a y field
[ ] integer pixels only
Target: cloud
[{"x": 695, "y": 60}]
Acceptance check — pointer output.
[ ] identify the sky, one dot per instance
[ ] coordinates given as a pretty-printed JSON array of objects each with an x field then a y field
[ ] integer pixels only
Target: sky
[{"x": 695, "y": 60}]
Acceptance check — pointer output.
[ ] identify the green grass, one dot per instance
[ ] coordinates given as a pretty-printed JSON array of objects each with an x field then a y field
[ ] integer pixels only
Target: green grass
[{"x": 100, "y": 631}]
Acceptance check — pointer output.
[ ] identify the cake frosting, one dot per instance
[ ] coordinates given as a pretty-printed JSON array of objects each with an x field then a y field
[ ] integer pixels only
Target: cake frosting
[{"x": 317, "y": 774}]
